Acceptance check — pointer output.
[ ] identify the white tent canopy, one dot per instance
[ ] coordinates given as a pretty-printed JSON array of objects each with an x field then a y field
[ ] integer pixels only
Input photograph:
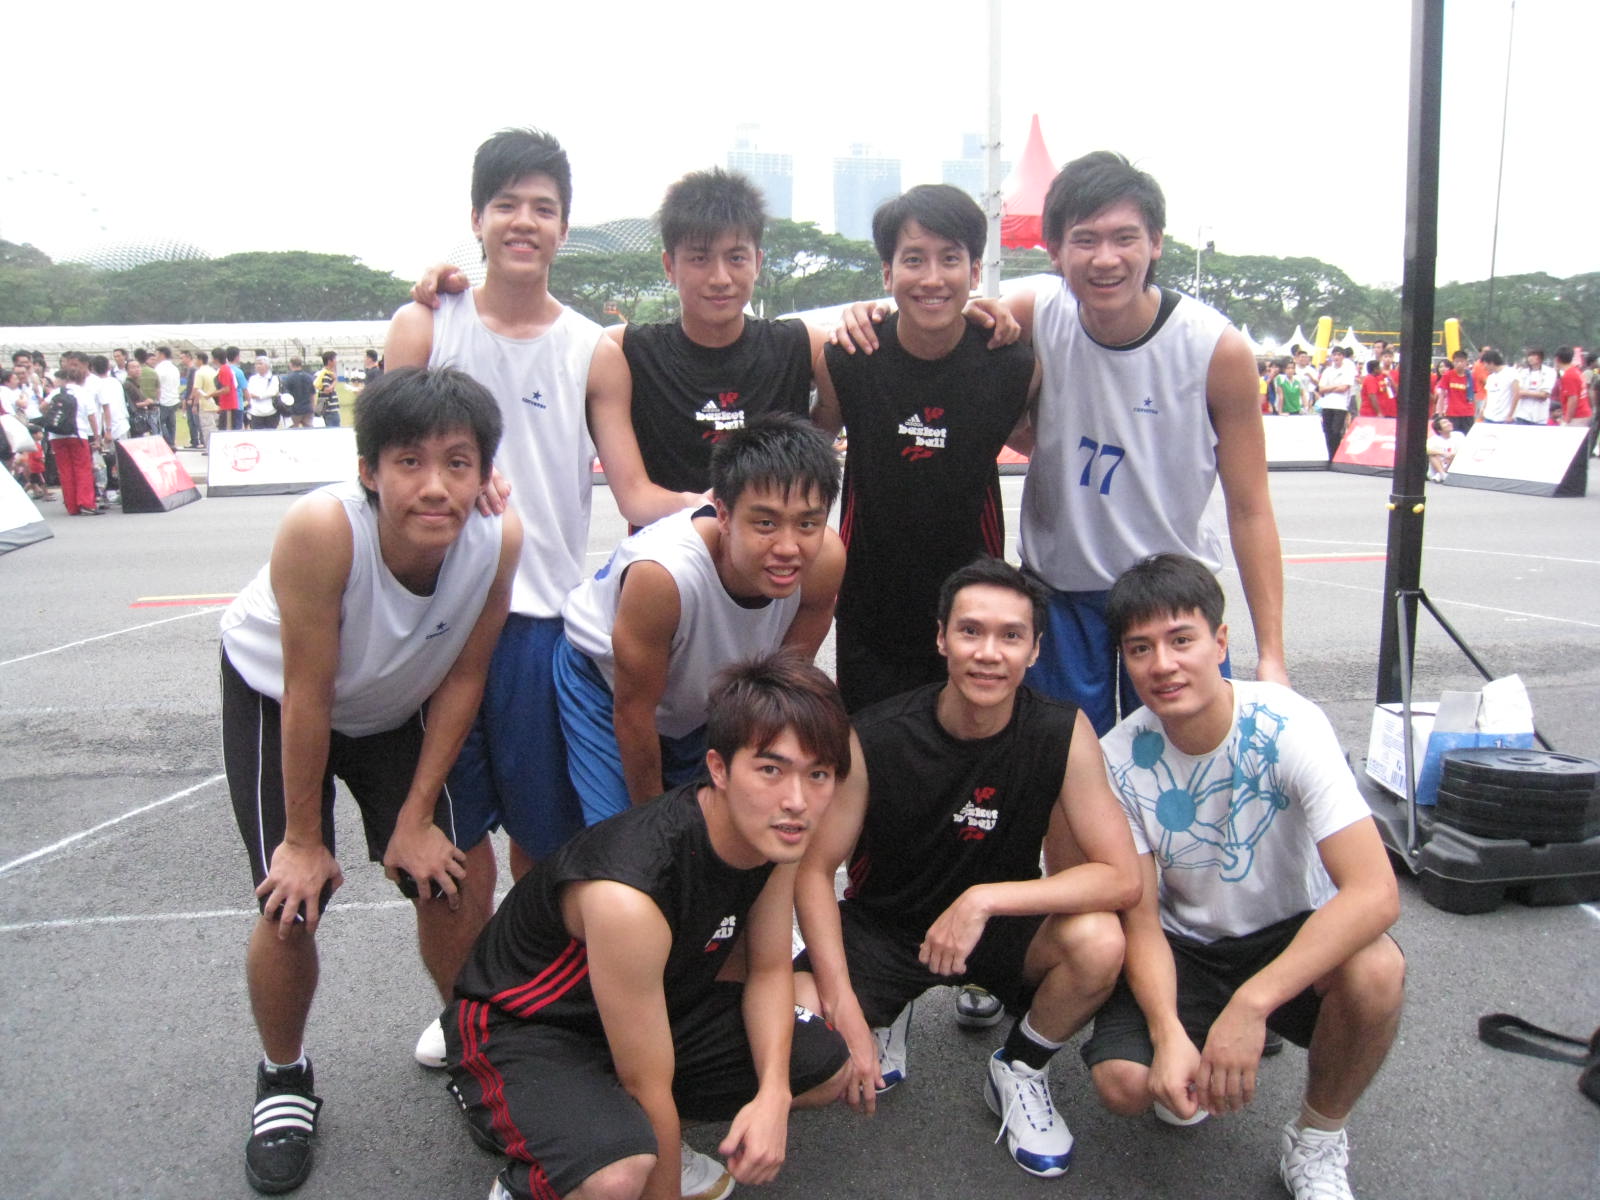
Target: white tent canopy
[{"x": 277, "y": 339}]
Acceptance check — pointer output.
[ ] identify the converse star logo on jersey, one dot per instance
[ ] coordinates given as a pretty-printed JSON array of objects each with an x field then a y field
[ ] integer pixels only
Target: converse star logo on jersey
[
  {"x": 441, "y": 627},
  {"x": 978, "y": 816},
  {"x": 725, "y": 931},
  {"x": 1147, "y": 408},
  {"x": 537, "y": 400},
  {"x": 716, "y": 418},
  {"x": 924, "y": 436}
]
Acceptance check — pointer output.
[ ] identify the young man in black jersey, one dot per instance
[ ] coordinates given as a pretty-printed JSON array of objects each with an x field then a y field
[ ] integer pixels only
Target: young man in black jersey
[
  {"x": 609, "y": 963},
  {"x": 928, "y": 415},
  {"x": 955, "y": 790}
]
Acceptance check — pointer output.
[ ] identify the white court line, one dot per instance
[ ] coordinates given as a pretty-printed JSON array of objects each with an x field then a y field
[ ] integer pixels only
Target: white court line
[
  {"x": 1508, "y": 612},
  {"x": 199, "y": 612},
  {"x": 83, "y": 833},
  {"x": 203, "y": 915},
  {"x": 1592, "y": 909},
  {"x": 1586, "y": 562}
]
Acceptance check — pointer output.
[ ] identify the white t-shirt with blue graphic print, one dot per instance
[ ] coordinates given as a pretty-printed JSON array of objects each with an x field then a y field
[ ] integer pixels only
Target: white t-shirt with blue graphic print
[{"x": 1235, "y": 832}]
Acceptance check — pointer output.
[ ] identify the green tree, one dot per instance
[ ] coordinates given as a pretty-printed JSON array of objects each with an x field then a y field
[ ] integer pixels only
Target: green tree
[
  {"x": 625, "y": 279},
  {"x": 51, "y": 295},
  {"x": 254, "y": 286},
  {"x": 804, "y": 268}
]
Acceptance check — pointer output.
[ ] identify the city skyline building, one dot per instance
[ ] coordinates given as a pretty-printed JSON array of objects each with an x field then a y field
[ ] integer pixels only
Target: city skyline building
[
  {"x": 861, "y": 182},
  {"x": 770, "y": 171},
  {"x": 967, "y": 172}
]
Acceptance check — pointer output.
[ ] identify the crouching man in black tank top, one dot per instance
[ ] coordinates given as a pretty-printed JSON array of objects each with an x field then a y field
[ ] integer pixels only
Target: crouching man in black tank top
[
  {"x": 956, "y": 789},
  {"x": 608, "y": 963}
]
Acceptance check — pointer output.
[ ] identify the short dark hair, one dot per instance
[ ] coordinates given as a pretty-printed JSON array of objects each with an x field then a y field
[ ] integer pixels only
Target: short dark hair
[
  {"x": 704, "y": 205},
  {"x": 233, "y": 353},
  {"x": 1101, "y": 178},
  {"x": 296, "y": 362},
  {"x": 373, "y": 355},
  {"x": 201, "y": 356},
  {"x": 75, "y": 356},
  {"x": 164, "y": 351},
  {"x": 986, "y": 571},
  {"x": 1493, "y": 357},
  {"x": 1539, "y": 350},
  {"x": 514, "y": 154},
  {"x": 141, "y": 355},
  {"x": 753, "y": 702},
  {"x": 1563, "y": 354},
  {"x": 99, "y": 364},
  {"x": 218, "y": 353},
  {"x": 1372, "y": 366},
  {"x": 778, "y": 450},
  {"x": 412, "y": 403},
  {"x": 1441, "y": 417},
  {"x": 1163, "y": 585},
  {"x": 940, "y": 208},
  {"x": 328, "y": 356}
]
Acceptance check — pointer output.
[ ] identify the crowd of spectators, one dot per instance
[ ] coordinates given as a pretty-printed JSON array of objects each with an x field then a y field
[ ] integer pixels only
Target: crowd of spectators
[
  {"x": 1490, "y": 390},
  {"x": 182, "y": 398}
]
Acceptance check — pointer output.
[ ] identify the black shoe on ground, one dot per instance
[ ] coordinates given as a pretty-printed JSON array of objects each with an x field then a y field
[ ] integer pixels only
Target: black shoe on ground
[{"x": 277, "y": 1158}]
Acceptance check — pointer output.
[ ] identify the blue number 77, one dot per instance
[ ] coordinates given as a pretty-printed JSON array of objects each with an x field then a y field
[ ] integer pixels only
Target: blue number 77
[{"x": 1095, "y": 450}]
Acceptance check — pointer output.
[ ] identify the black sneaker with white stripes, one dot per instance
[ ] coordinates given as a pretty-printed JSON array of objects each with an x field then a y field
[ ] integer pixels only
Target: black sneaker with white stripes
[{"x": 277, "y": 1158}]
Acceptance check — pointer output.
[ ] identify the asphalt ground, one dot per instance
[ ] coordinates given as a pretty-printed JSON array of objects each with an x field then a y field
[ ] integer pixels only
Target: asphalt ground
[{"x": 125, "y": 903}]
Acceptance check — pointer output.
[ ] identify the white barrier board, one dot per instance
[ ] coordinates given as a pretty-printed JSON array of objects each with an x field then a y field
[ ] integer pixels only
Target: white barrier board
[{"x": 267, "y": 461}]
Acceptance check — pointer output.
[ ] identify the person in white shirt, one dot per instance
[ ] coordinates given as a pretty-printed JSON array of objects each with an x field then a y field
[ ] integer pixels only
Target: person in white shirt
[
  {"x": 1336, "y": 391},
  {"x": 262, "y": 396},
  {"x": 1536, "y": 383},
  {"x": 1500, "y": 390},
  {"x": 1267, "y": 895},
  {"x": 169, "y": 395}
]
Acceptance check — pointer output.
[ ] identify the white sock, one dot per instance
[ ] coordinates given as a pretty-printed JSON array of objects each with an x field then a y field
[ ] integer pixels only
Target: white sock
[
  {"x": 272, "y": 1066},
  {"x": 1034, "y": 1035}
]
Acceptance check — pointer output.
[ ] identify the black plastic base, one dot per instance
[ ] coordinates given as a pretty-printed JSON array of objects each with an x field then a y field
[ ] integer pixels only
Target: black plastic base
[{"x": 1462, "y": 873}]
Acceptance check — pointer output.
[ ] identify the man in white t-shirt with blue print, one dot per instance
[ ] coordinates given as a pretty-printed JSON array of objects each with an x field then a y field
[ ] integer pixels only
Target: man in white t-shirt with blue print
[{"x": 1267, "y": 892}]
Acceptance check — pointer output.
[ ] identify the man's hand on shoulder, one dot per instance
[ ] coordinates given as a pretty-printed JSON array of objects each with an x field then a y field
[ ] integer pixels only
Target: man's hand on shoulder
[
  {"x": 856, "y": 323},
  {"x": 990, "y": 312},
  {"x": 439, "y": 279}
]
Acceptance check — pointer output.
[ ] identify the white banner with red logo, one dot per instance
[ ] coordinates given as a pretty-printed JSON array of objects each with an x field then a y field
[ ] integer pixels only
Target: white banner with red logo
[{"x": 266, "y": 461}]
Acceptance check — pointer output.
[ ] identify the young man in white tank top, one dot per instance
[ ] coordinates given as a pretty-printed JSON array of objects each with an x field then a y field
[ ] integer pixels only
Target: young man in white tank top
[
  {"x": 361, "y": 651},
  {"x": 687, "y": 596},
  {"x": 1102, "y": 493}
]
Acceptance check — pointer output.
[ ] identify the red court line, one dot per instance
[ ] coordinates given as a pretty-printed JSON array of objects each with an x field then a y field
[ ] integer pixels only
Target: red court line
[
  {"x": 176, "y": 601},
  {"x": 1316, "y": 558}
]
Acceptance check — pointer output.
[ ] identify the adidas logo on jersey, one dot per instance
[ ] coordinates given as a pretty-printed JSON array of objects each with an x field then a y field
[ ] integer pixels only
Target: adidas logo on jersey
[
  {"x": 923, "y": 434},
  {"x": 725, "y": 931},
  {"x": 718, "y": 419}
]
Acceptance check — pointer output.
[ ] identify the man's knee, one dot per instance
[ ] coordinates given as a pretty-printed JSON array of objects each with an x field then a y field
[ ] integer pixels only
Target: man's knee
[
  {"x": 826, "y": 1092},
  {"x": 1123, "y": 1086},
  {"x": 621, "y": 1180},
  {"x": 1089, "y": 945},
  {"x": 1371, "y": 983}
]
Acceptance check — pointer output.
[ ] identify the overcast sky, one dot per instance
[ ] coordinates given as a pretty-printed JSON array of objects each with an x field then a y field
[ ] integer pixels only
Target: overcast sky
[{"x": 1278, "y": 125}]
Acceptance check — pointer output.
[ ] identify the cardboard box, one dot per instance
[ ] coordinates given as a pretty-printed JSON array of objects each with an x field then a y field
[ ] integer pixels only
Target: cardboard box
[{"x": 1499, "y": 715}]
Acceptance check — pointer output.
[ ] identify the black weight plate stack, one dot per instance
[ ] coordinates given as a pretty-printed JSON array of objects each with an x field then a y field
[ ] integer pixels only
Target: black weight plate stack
[{"x": 1531, "y": 795}]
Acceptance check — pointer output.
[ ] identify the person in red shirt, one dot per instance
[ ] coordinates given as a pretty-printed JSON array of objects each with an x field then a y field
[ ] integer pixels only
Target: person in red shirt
[
  {"x": 1480, "y": 373},
  {"x": 1377, "y": 393},
  {"x": 1451, "y": 397},
  {"x": 1571, "y": 391},
  {"x": 225, "y": 392}
]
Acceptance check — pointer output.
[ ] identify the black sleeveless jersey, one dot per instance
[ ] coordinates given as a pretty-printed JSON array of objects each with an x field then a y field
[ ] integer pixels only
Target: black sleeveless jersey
[
  {"x": 921, "y": 490},
  {"x": 526, "y": 964},
  {"x": 686, "y": 396},
  {"x": 943, "y": 813}
]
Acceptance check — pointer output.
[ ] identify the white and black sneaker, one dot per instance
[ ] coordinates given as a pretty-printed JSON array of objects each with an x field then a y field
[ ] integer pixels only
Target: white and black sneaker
[
  {"x": 977, "y": 1007},
  {"x": 277, "y": 1158},
  {"x": 892, "y": 1049},
  {"x": 430, "y": 1051}
]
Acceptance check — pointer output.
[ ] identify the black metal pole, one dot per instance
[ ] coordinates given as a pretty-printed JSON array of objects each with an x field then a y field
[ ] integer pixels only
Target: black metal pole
[{"x": 1403, "y": 570}]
